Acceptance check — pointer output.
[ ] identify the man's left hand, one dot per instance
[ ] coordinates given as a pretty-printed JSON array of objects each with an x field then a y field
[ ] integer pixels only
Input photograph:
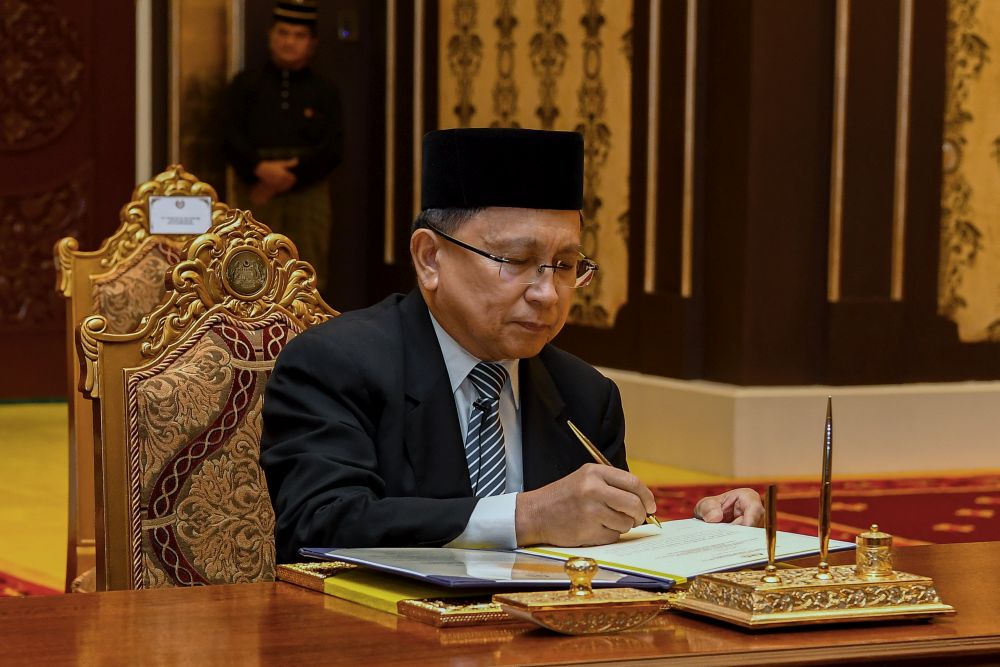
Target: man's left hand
[{"x": 739, "y": 506}]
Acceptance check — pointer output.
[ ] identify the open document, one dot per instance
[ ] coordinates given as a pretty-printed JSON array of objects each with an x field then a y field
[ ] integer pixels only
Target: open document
[
  {"x": 473, "y": 568},
  {"x": 690, "y": 547}
]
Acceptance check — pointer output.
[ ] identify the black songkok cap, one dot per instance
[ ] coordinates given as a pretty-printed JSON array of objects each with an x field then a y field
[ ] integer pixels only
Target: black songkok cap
[
  {"x": 299, "y": 12},
  {"x": 481, "y": 167}
]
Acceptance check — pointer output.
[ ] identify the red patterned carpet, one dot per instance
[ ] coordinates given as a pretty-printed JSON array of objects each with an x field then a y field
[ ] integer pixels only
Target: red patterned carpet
[
  {"x": 914, "y": 510},
  {"x": 11, "y": 586}
]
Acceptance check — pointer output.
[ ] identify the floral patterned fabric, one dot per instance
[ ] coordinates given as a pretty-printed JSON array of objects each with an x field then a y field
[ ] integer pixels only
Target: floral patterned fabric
[
  {"x": 200, "y": 502},
  {"x": 134, "y": 288}
]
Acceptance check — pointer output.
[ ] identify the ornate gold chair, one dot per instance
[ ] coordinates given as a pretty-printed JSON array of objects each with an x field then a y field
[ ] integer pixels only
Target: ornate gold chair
[
  {"x": 122, "y": 281},
  {"x": 181, "y": 497}
]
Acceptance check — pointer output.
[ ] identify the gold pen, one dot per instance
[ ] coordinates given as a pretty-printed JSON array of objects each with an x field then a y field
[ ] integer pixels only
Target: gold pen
[{"x": 600, "y": 458}]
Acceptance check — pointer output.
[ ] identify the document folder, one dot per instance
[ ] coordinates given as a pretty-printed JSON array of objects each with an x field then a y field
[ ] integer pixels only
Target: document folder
[{"x": 474, "y": 568}]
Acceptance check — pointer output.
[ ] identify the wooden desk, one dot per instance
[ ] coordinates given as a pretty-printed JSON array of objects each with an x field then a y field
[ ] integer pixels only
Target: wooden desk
[{"x": 283, "y": 624}]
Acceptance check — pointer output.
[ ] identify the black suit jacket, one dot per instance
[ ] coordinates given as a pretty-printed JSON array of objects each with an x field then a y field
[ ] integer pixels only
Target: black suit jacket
[{"x": 362, "y": 444}]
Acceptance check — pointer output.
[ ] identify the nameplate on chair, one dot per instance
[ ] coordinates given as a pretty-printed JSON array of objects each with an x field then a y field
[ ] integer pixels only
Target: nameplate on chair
[{"x": 179, "y": 215}]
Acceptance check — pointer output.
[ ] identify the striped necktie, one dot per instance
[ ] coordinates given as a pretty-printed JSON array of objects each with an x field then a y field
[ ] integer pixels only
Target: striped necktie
[{"x": 484, "y": 449}]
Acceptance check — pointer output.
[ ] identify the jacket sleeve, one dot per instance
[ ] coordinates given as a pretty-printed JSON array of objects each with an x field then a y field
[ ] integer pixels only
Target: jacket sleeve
[
  {"x": 613, "y": 428},
  {"x": 321, "y": 457},
  {"x": 236, "y": 144},
  {"x": 321, "y": 159}
]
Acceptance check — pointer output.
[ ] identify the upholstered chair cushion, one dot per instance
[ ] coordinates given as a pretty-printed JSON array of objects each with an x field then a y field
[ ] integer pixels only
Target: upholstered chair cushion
[
  {"x": 194, "y": 425},
  {"x": 123, "y": 296}
]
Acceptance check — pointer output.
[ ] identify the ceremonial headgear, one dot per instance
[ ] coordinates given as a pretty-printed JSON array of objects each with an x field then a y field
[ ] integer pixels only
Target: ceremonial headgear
[
  {"x": 299, "y": 12},
  {"x": 481, "y": 167}
]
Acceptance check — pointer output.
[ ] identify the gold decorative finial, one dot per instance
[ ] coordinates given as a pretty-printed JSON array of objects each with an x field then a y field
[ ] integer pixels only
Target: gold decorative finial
[
  {"x": 581, "y": 572},
  {"x": 582, "y": 610}
]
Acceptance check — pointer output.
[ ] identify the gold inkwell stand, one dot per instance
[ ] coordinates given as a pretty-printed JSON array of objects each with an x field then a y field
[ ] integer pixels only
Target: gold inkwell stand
[
  {"x": 582, "y": 610},
  {"x": 869, "y": 590}
]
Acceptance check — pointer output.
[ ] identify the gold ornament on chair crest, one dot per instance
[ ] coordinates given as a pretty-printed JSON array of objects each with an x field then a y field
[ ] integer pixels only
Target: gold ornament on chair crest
[
  {"x": 134, "y": 216},
  {"x": 239, "y": 266}
]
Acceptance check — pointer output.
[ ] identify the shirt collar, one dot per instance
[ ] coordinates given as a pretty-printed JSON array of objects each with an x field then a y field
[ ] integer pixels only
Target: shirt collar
[
  {"x": 292, "y": 73},
  {"x": 460, "y": 363}
]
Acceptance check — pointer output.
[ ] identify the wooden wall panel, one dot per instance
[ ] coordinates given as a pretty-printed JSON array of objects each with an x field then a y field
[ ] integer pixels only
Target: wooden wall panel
[
  {"x": 760, "y": 304},
  {"x": 666, "y": 302},
  {"x": 865, "y": 324},
  {"x": 870, "y": 130},
  {"x": 727, "y": 117},
  {"x": 766, "y": 178},
  {"x": 67, "y": 170}
]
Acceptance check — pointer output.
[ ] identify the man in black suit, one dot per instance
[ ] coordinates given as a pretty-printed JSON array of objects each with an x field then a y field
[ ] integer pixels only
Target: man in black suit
[{"x": 440, "y": 417}]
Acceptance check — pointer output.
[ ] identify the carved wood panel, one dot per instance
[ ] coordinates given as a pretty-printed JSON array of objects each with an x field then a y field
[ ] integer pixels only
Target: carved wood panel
[
  {"x": 66, "y": 165},
  {"x": 41, "y": 81},
  {"x": 32, "y": 223}
]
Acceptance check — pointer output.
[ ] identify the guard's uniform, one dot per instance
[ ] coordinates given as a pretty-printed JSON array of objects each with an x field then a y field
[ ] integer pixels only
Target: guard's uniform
[{"x": 275, "y": 113}]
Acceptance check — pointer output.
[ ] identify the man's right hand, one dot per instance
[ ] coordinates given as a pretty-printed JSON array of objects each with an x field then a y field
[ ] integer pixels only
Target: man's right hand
[
  {"x": 593, "y": 505},
  {"x": 260, "y": 194},
  {"x": 275, "y": 174}
]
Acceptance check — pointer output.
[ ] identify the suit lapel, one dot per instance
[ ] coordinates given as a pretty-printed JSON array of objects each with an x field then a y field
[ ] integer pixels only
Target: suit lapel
[
  {"x": 548, "y": 448},
  {"x": 432, "y": 434}
]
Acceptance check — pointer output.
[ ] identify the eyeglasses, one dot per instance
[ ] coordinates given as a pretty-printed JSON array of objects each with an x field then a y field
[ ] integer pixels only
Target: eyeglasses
[{"x": 572, "y": 274}]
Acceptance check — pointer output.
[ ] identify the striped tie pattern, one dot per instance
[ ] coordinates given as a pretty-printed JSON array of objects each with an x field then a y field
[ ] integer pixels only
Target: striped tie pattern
[{"x": 484, "y": 448}]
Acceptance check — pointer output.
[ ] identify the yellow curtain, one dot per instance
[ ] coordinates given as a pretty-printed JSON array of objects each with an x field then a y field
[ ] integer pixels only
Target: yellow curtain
[
  {"x": 969, "y": 284},
  {"x": 561, "y": 65}
]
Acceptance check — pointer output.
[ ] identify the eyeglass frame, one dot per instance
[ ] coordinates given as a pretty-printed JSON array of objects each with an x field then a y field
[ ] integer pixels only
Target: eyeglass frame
[{"x": 540, "y": 268}]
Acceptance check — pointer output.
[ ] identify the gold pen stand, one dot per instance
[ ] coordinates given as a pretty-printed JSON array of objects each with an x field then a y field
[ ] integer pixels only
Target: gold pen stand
[
  {"x": 869, "y": 590},
  {"x": 581, "y": 610}
]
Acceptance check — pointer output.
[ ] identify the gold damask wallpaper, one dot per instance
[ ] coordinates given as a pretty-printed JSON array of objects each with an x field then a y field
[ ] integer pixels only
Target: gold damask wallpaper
[
  {"x": 969, "y": 282},
  {"x": 561, "y": 65}
]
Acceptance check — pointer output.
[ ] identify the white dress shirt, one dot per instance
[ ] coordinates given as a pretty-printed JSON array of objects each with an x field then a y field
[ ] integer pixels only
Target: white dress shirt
[{"x": 492, "y": 522}]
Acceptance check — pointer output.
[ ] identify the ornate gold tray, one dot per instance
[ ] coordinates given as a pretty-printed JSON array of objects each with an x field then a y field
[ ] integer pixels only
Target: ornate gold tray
[
  {"x": 799, "y": 598},
  {"x": 870, "y": 590},
  {"x": 581, "y": 610},
  {"x": 608, "y": 610},
  {"x": 449, "y": 613}
]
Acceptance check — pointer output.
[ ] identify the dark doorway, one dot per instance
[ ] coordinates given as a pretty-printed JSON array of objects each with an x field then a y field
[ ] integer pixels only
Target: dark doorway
[{"x": 351, "y": 54}]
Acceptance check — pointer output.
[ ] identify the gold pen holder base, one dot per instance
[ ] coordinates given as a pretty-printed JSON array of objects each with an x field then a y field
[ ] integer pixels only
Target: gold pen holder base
[
  {"x": 450, "y": 613},
  {"x": 800, "y": 598},
  {"x": 606, "y": 610}
]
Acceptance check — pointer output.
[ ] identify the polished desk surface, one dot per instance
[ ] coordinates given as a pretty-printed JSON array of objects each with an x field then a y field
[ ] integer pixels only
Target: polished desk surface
[{"x": 283, "y": 624}]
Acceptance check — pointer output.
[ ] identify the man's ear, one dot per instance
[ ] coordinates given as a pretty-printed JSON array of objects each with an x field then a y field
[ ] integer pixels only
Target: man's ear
[{"x": 424, "y": 252}]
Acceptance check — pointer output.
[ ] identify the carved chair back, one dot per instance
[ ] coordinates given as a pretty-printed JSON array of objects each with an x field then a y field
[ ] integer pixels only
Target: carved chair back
[
  {"x": 182, "y": 500},
  {"x": 122, "y": 281}
]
